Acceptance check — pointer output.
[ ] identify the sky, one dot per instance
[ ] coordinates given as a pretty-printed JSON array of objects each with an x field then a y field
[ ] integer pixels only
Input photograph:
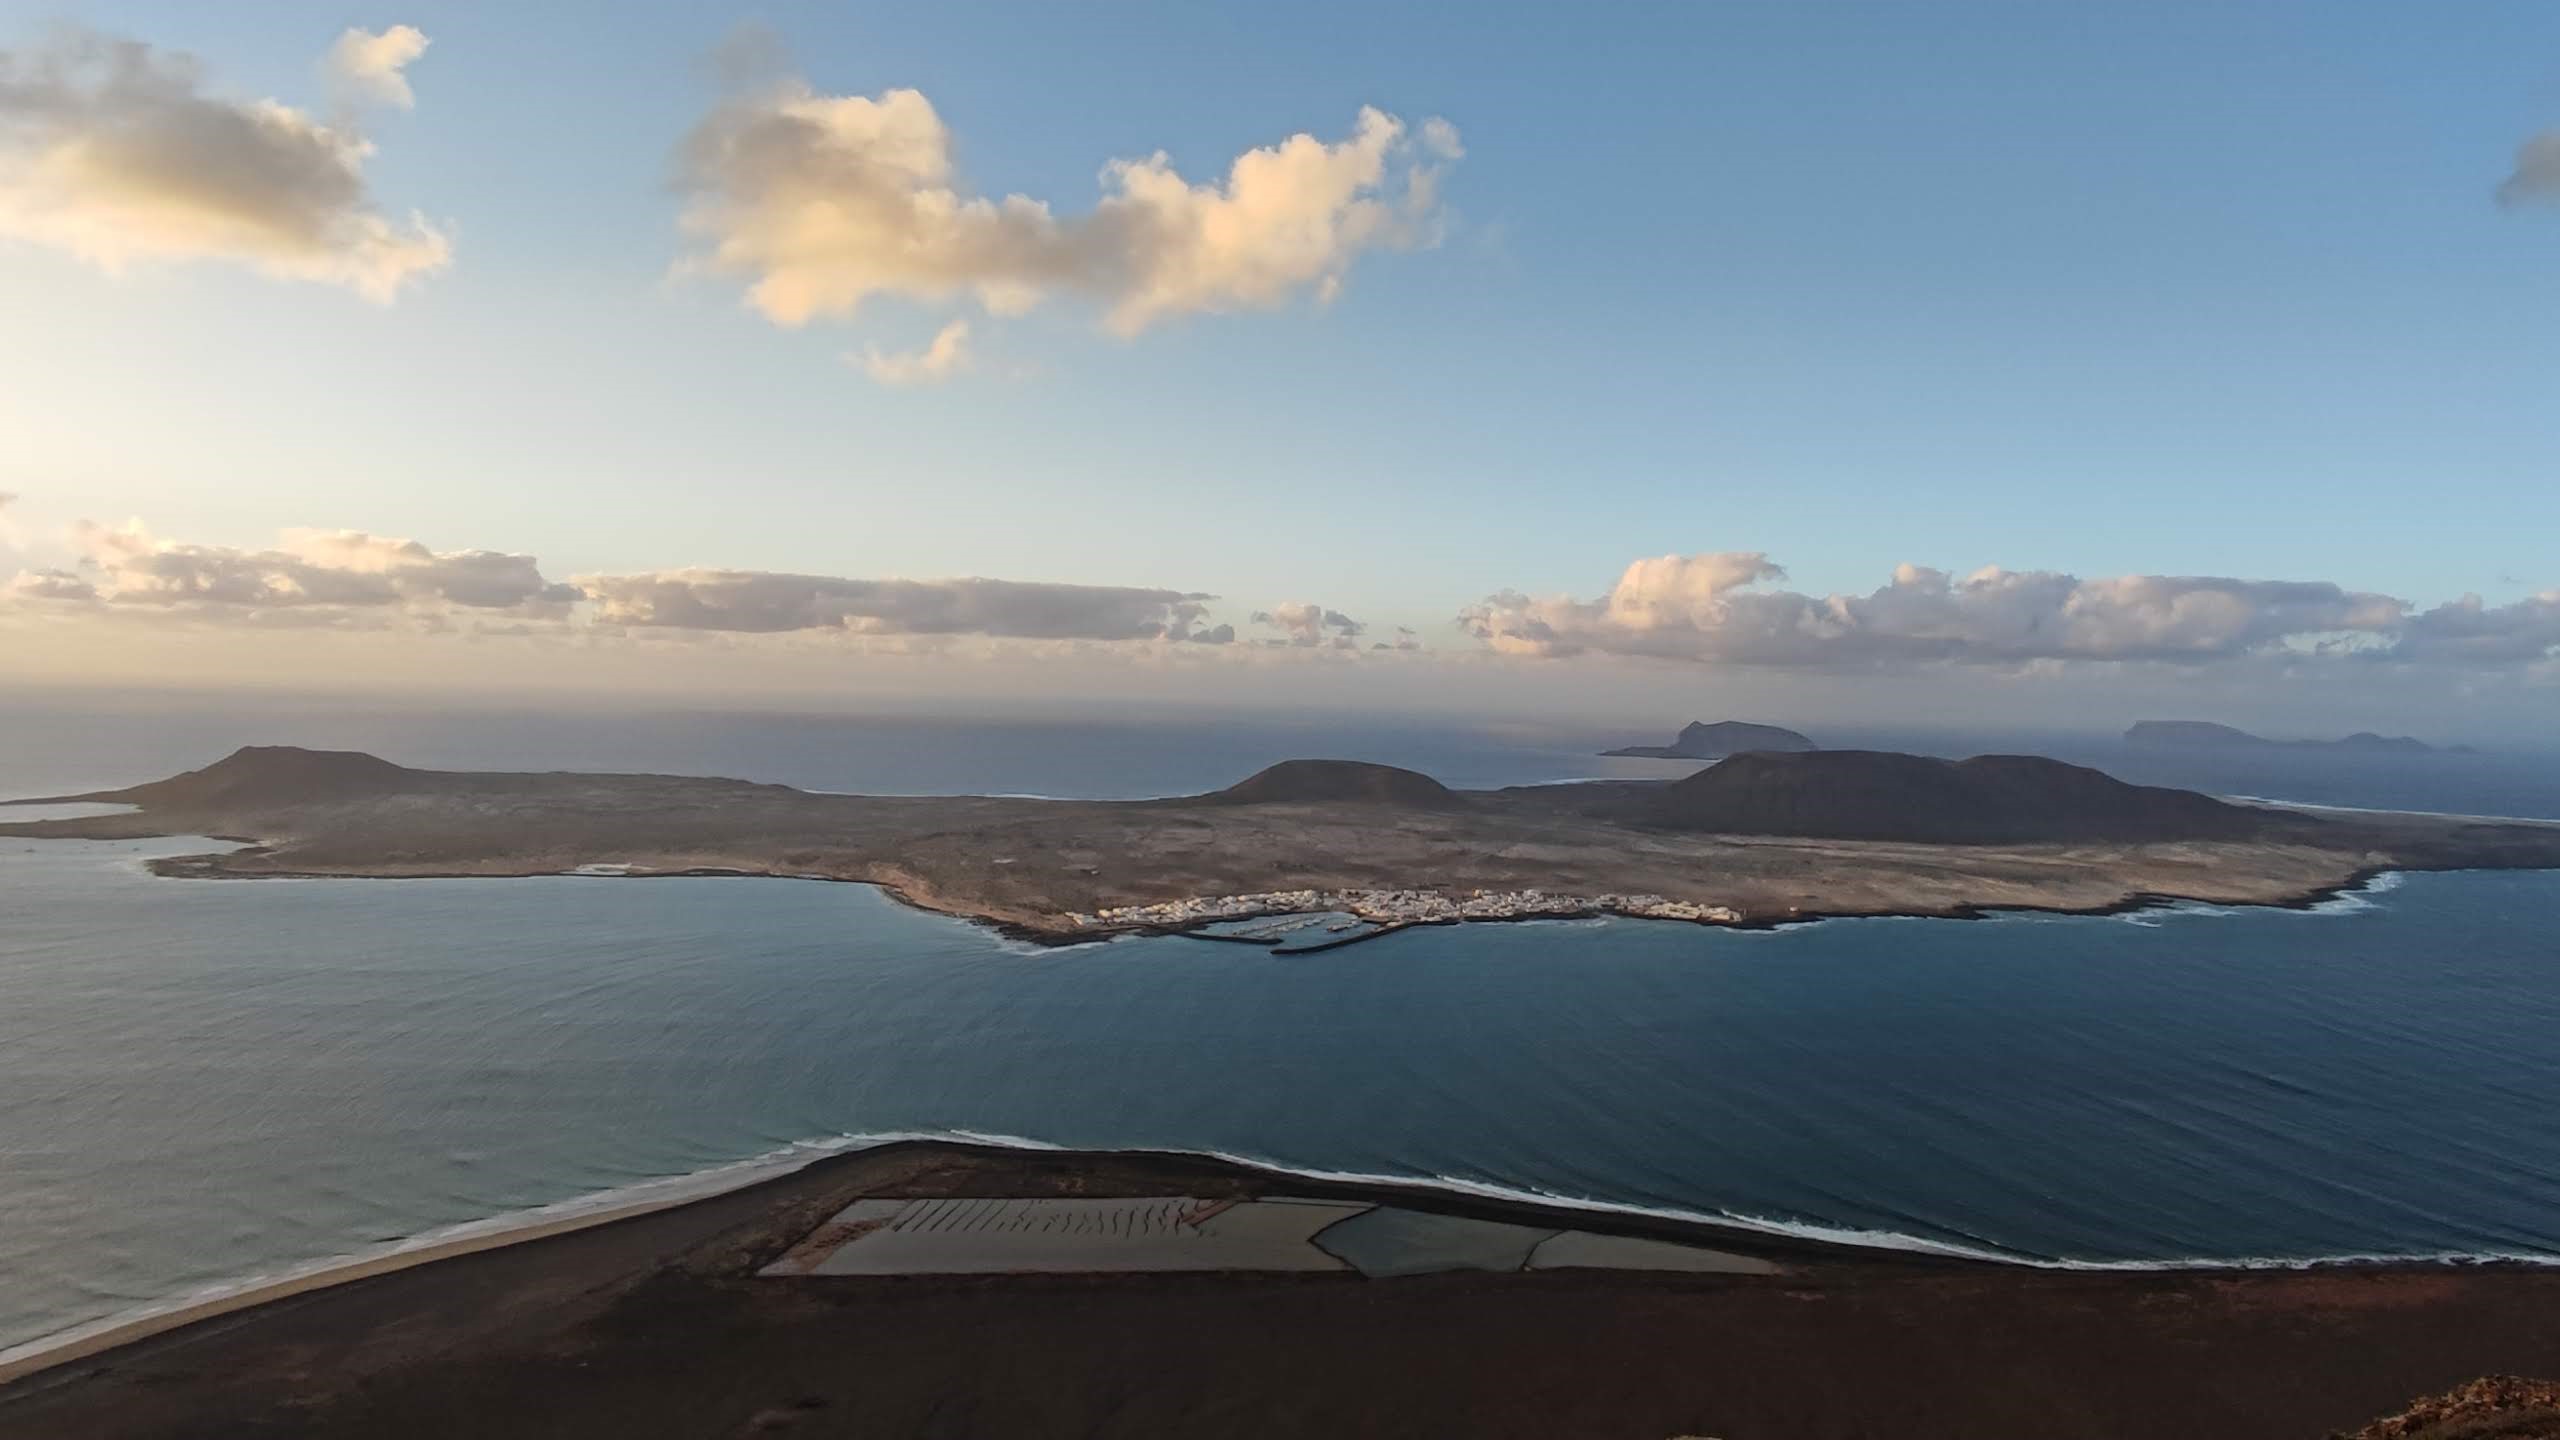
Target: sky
[{"x": 2177, "y": 358}]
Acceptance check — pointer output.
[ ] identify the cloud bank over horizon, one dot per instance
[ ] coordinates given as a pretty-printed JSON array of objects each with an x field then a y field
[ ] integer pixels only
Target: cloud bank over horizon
[
  {"x": 822, "y": 203},
  {"x": 1712, "y": 609},
  {"x": 1717, "y": 609},
  {"x": 763, "y": 602},
  {"x": 354, "y": 579}
]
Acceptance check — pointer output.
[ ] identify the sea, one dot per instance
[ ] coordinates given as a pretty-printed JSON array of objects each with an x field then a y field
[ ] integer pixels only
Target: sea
[{"x": 209, "y": 1084}]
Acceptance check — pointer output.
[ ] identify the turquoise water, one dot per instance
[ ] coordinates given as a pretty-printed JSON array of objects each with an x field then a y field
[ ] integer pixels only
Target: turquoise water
[{"x": 203, "y": 1080}]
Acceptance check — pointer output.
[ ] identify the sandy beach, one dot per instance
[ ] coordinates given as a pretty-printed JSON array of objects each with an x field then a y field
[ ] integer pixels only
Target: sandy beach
[{"x": 657, "y": 1323}]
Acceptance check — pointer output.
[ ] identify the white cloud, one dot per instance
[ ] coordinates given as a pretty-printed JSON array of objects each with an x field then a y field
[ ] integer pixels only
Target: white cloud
[
  {"x": 2467, "y": 631},
  {"x": 1712, "y": 608},
  {"x": 1307, "y": 625},
  {"x": 2537, "y": 172},
  {"x": 946, "y": 356},
  {"x": 765, "y": 602},
  {"x": 52, "y": 585},
  {"x": 333, "y": 571},
  {"x": 367, "y": 66},
  {"x": 349, "y": 578},
  {"x": 113, "y": 152},
  {"x": 823, "y": 202}
]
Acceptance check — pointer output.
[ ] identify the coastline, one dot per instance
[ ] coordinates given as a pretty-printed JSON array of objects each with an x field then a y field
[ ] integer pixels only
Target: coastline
[
  {"x": 209, "y": 866},
  {"x": 1797, "y": 1239},
  {"x": 96, "y": 1338},
  {"x": 653, "y": 1320}
]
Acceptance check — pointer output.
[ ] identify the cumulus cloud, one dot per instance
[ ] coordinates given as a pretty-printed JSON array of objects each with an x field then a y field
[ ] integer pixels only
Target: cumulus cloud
[
  {"x": 114, "y": 152},
  {"x": 765, "y": 602},
  {"x": 947, "y": 356},
  {"x": 366, "y": 66},
  {"x": 1308, "y": 625},
  {"x": 350, "y": 578},
  {"x": 1715, "y": 608},
  {"x": 2537, "y": 172},
  {"x": 332, "y": 571},
  {"x": 822, "y": 202},
  {"x": 52, "y": 585},
  {"x": 2469, "y": 632}
]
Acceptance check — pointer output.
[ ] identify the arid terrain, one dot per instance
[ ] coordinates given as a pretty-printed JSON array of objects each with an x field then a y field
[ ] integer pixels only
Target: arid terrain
[
  {"x": 1768, "y": 837},
  {"x": 659, "y": 1326}
]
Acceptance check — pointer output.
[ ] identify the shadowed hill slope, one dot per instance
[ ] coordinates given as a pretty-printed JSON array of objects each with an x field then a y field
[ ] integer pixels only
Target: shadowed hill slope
[
  {"x": 1987, "y": 800},
  {"x": 1335, "y": 781}
]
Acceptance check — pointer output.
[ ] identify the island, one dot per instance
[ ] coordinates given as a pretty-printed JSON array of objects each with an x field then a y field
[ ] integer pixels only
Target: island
[
  {"x": 1699, "y": 740},
  {"x": 2206, "y": 735},
  {"x": 1758, "y": 839},
  {"x": 931, "y": 1287}
]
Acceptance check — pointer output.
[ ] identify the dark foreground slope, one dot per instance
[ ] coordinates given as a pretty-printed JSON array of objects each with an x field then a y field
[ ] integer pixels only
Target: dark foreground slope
[
  {"x": 2493, "y": 1407},
  {"x": 656, "y": 1326}
]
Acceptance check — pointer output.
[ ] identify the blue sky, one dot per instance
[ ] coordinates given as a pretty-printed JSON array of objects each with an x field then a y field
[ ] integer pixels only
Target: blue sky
[{"x": 2172, "y": 290}]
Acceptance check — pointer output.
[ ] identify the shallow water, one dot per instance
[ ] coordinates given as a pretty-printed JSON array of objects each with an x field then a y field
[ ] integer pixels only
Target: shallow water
[{"x": 205, "y": 1079}]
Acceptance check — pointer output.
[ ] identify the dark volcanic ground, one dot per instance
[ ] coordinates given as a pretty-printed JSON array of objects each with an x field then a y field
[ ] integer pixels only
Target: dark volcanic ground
[{"x": 655, "y": 1327}]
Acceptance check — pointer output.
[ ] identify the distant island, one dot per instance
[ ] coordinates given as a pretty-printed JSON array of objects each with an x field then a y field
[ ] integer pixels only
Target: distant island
[
  {"x": 2205, "y": 735},
  {"x": 1699, "y": 740},
  {"x": 1760, "y": 838}
]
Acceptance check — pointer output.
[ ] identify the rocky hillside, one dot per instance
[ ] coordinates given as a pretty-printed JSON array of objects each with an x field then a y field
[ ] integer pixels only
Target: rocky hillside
[
  {"x": 270, "y": 775},
  {"x": 1314, "y": 781},
  {"x": 1987, "y": 800},
  {"x": 2495, "y": 1407}
]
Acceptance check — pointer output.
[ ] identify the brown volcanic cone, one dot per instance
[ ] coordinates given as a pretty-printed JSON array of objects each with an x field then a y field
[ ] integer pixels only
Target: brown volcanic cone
[
  {"x": 1987, "y": 800},
  {"x": 1309, "y": 781},
  {"x": 271, "y": 775}
]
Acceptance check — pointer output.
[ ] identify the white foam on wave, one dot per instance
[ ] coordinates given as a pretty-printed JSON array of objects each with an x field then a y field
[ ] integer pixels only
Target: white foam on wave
[
  {"x": 2360, "y": 899},
  {"x": 2385, "y": 810},
  {"x": 663, "y": 1192},
  {"x": 19, "y": 812},
  {"x": 1857, "y": 1238}
]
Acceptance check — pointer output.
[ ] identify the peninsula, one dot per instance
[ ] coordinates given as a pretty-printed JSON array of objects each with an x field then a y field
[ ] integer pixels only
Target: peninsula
[
  {"x": 1699, "y": 740},
  {"x": 1757, "y": 839}
]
